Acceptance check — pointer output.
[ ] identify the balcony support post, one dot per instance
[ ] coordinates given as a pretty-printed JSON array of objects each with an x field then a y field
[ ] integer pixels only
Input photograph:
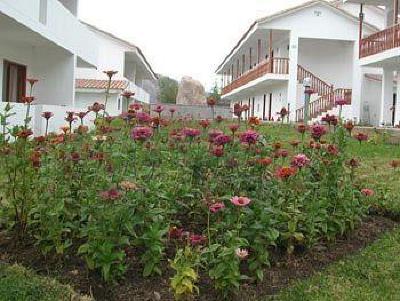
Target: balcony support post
[
  {"x": 386, "y": 97},
  {"x": 397, "y": 107},
  {"x": 395, "y": 12},
  {"x": 270, "y": 52},
  {"x": 292, "y": 84},
  {"x": 360, "y": 30}
]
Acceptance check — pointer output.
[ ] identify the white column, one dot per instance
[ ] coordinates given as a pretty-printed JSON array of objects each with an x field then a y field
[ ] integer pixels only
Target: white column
[
  {"x": 397, "y": 109},
  {"x": 292, "y": 85},
  {"x": 357, "y": 79},
  {"x": 386, "y": 98},
  {"x": 1, "y": 80}
]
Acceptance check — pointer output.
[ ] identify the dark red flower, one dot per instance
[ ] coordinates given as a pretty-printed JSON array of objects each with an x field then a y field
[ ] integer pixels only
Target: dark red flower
[
  {"x": 222, "y": 139},
  {"x": 128, "y": 94},
  {"x": 249, "y": 137},
  {"x": 196, "y": 240},
  {"x": 175, "y": 233},
  {"x": 47, "y": 115},
  {"x": 96, "y": 107},
  {"x": 211, "y": 101},
  {"x": 28, "y": 99},
  {"x": 204, "y": 123},
  {"x": 361, "y": 137},
  {"x": 317, "y": 131},
  {"x": 110, "y": 73},
  {"x": 218, "y": 151},
  {"x": 24, "y": 134}
]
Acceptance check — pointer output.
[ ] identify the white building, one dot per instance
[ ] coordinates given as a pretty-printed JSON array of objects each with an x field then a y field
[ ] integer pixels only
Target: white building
[
  {"x": 317, "y": 40},
  {"x": 381, "y": 50},
  {"x": 115, "y": 54},
  {"x": 42, "y": 39}
]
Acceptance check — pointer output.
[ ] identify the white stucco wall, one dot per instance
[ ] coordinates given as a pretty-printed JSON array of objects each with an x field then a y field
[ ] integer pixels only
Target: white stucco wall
[
  {"x": 371, "y": 96},
  {"x": 331, "y": 60},
  {"x": 61, "y": 27},
  {"x": 53, "y": 68}
]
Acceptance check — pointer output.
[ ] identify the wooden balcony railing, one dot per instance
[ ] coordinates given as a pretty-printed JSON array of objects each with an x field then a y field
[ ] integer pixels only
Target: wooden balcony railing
[
  {"x": 380, "y": 41},
  {"x": 278, "y": 66},
  {"x": 318, "y": 85},
  {"x": 324, "y": 103}
]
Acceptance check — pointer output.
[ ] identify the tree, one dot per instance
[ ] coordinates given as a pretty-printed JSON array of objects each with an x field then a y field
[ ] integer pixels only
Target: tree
[
  {"x": 215, "y": 92},
  {"x": 168, "y": 89}
]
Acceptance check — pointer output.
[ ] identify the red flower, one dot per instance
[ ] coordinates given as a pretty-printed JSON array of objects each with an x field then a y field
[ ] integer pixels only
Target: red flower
[
  {"x": 211, "y": 101},
  {"x": 214, "y": 208},
  {"x": 237, "y": 110},
  {"x": 28, "y": 99},
  {"x": 332, "y": 149},
  {"x": 75, "y": 156},
  {"x": 96, "y": 107},
  {"x": 349, "y": 126},
  {"x": 317, "y": 131},
  {"x": 240, "y": 201},
  {"x": 141, "y": 133},
  {"x": 367, "y": 192},
  {"x": 218, "y": 151},
  {"x": 70, "y": 117},
  {"x": 219, "y": 118},
  {"x": 32, "y": 81},
  {"x": 47, "y": 115},
  {"x": 233, "y": 128},
  {"x": 175, "y": 233},
  {"x": 24, "y": 134},
  {"x": 158, "y": 109},
  {"x": 128, "y": 94},
  {"x": 361, "y": 137},
  {"x": 110, "y": 73},
  {"x": 222, "y": 139},
  {"x": 301, "y": 128},
  {"x": 204, "y": 123},
  {"x": 265, "y": 161},
  {"x": 196, "y": 240},
  {"x": 110, "y": 195},
  {"x": 285, "y": 172},
  {"x": 190, "y": 132}
]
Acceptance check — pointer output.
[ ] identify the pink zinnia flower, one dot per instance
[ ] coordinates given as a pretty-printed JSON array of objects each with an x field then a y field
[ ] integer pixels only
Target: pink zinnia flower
[
  {"x": 240, "y": 201},
  {"x": 234, "y": 128},
  {"x": 158, "y": 109},
  {"x": 141, "y": 133},
  {"x": 205, "y": 123},
  {"x": 249, "y": 137},
  {"x": 300, "y": 160},
  {"x": 214, "y": 208}
]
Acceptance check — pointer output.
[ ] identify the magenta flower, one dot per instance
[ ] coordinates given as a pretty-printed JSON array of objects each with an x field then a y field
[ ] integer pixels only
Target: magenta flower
[
  {"x": 222, "y": 139},
  {"x": 143, "y": 117},
  {"x": 158, "y": 109},
  {"x": 317, "y": 131},
  {"x": 300, "y": 160},
  {"x": 249, "y": 137},
  {"x": 141, "y": 133},
  {"x": 214, "y": 208},
  {"x": 190, "y": 132},
  {"x": 240, "y": 201}
]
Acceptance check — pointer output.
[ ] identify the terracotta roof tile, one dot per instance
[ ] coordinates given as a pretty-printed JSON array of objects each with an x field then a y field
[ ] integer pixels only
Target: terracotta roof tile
[{"x": 100, "y": 84}]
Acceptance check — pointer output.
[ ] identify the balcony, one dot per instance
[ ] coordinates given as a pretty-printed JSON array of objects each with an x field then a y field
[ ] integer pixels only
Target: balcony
[
  {"x": 276, "y": 66},
  {"x": 381, "y": 41}
]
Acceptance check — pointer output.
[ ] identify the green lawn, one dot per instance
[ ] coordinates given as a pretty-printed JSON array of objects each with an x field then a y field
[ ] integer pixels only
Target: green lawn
[
  {"x": 372, "y": 275},
  {"x": 19, "y": 284}
]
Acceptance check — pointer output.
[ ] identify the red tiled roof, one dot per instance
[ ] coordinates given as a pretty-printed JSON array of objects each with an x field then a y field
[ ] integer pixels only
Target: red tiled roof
[{"x": 100, "y": 84}]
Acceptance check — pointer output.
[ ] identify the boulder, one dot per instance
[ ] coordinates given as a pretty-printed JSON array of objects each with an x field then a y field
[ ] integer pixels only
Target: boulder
[{"x": 191, "y": 92}]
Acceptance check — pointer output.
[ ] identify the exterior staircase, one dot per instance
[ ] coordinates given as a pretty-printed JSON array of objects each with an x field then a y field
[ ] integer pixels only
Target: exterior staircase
[{"x": 326, "y": 95}]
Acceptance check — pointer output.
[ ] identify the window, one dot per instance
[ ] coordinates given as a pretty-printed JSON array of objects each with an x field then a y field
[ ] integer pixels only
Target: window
[
  {"x": 14, "y": 82},
  {"x": 43, "y": 12}
]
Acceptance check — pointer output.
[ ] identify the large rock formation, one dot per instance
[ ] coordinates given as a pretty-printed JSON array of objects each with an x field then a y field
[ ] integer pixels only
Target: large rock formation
[{"x": 190, "y": 92}]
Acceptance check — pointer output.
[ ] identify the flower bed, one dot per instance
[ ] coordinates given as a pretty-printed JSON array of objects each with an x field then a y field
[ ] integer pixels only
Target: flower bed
[{"x": 212, "y": 198}]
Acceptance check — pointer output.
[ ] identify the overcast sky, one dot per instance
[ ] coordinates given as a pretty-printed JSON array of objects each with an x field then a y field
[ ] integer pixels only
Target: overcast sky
[{"x": 181, "y": 37}]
